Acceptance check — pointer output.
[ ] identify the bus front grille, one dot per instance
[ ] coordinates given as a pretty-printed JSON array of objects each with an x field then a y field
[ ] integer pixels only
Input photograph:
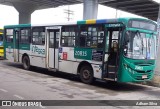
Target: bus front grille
[
  {"x": 144, "y": 72},
  {"x": 139, "y": 75}
]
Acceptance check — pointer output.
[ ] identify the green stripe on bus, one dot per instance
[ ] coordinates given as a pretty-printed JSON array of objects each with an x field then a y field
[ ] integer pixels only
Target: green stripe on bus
[
  {"x": 24, "y": 46},
  {"x": 21, "y": 46},
  {"x": 18, "y": 26}
]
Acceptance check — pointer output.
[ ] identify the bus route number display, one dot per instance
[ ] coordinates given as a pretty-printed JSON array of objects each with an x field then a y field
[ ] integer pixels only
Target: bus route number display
[
  {"x": 88, "y": 54},
  {"x": 82, "y": 53}
]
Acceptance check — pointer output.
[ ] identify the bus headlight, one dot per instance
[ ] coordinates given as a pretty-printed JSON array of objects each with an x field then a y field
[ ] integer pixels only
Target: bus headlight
[
  {"x": 125, "y": 66},
  {"x": 130, "y": 70}
]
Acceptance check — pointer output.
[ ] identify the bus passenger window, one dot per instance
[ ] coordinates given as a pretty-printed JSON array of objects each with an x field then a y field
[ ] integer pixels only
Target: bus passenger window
[
  {"x": 25, "y": 36},
  {"x": 69, "y": 34},
  {"x": 91, "y": 36},
  {"x": 9, "y": 35},
  {"x": 100, "y": 39},
  {"x": 42, "y": 34},
  {"x": 38, "y": 37},
  {"x": 83, "y": 36}
]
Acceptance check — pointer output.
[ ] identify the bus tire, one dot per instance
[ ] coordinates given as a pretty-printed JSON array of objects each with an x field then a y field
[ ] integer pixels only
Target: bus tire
[
  {"x": 86, "y": 74},
  {"x": 26, "y": 63}
]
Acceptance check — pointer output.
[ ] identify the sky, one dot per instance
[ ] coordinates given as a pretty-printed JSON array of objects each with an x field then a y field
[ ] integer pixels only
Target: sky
[{"x": 9, "y": 15}]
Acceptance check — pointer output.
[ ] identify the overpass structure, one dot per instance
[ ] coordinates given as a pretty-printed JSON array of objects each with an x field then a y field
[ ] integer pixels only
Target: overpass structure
[{"x": 146, "y": 8}]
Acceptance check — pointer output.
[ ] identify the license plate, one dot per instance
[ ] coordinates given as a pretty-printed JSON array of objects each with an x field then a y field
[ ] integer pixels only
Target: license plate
[{"x": 144, "y": 76}]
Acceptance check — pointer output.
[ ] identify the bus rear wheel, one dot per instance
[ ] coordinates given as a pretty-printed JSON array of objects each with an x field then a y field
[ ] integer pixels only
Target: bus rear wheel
[
  {"x": 26, "y": 62},
  {"x": 86, "y": 74}
]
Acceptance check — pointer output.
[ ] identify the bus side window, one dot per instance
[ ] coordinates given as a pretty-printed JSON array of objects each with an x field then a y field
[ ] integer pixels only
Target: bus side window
[
  {"x": 83, "y": 36},
  {"x": 100, "y": 38},
  {"x": 9, "y": 35},
  {"x": 25, "y": 35},
  {"x": 38, "y": 35},
  {"x": 69, "y": 33},
  {"x": 91, "y": 36}
]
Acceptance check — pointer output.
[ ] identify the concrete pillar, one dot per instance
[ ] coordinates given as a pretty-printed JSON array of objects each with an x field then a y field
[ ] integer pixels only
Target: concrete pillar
[
  {"x": 90, "y": 9},
  {"x": 157, "y": 70},
  {"x": 25, "y": 17},
  {"x": 25, "y": 10}
]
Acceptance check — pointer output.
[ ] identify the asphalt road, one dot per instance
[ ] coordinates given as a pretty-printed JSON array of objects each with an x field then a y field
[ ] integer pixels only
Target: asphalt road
[{"x": 41, "y": 84}]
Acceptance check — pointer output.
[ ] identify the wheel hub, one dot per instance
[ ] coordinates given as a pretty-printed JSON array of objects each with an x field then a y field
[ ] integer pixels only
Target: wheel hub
[{"x": 86, "y": 74}]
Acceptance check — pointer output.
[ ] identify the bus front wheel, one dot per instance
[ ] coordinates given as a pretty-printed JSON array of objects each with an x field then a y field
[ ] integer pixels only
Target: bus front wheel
[
  {"x": 86, "y": 74},
  {"x": 26, "y": 63}
]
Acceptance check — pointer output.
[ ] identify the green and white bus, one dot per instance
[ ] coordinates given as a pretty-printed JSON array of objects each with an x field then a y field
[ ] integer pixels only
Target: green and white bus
[{"x": 122, "y": 50}]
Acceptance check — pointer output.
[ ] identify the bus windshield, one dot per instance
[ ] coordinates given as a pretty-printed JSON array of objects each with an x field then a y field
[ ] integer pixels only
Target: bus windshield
[{"x": 140, "y": 45}]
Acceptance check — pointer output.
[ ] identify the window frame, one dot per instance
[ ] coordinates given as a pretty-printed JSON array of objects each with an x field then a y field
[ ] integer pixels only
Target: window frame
[
  {"x": 74, "y": 38},
  {"x": 32, "y": 30},
  {"x": 98, "y": 38},
  {"x": 29, "y": 36},
  {"x": 5, "y": 33}
]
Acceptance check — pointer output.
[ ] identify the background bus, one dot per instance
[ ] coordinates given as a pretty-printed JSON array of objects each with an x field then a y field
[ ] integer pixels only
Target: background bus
[
  {"x": 122, "y": 50},
  {"x": 1, "y": 43}
]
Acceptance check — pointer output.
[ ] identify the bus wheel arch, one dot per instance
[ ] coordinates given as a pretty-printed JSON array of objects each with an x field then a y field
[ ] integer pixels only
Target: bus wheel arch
[
  {"x": 85, "y": 72},
  {"x": 26, "y": 61}
]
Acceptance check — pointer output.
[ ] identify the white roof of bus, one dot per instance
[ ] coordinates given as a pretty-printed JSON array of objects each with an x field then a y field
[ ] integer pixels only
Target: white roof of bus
[{"x": 55, "y": 24}]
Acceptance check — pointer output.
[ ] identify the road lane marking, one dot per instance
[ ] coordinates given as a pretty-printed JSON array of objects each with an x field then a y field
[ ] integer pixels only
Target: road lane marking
[
  {"x": 18, "y": 96},
  {"x": 3, "y": 90}
]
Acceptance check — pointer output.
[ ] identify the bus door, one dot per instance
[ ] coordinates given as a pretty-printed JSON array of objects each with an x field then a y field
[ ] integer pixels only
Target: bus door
[
  {"x": 16, "y": 45},
  {"x": 112, "y": 52},
  {"x": 53, "y": 34}
]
